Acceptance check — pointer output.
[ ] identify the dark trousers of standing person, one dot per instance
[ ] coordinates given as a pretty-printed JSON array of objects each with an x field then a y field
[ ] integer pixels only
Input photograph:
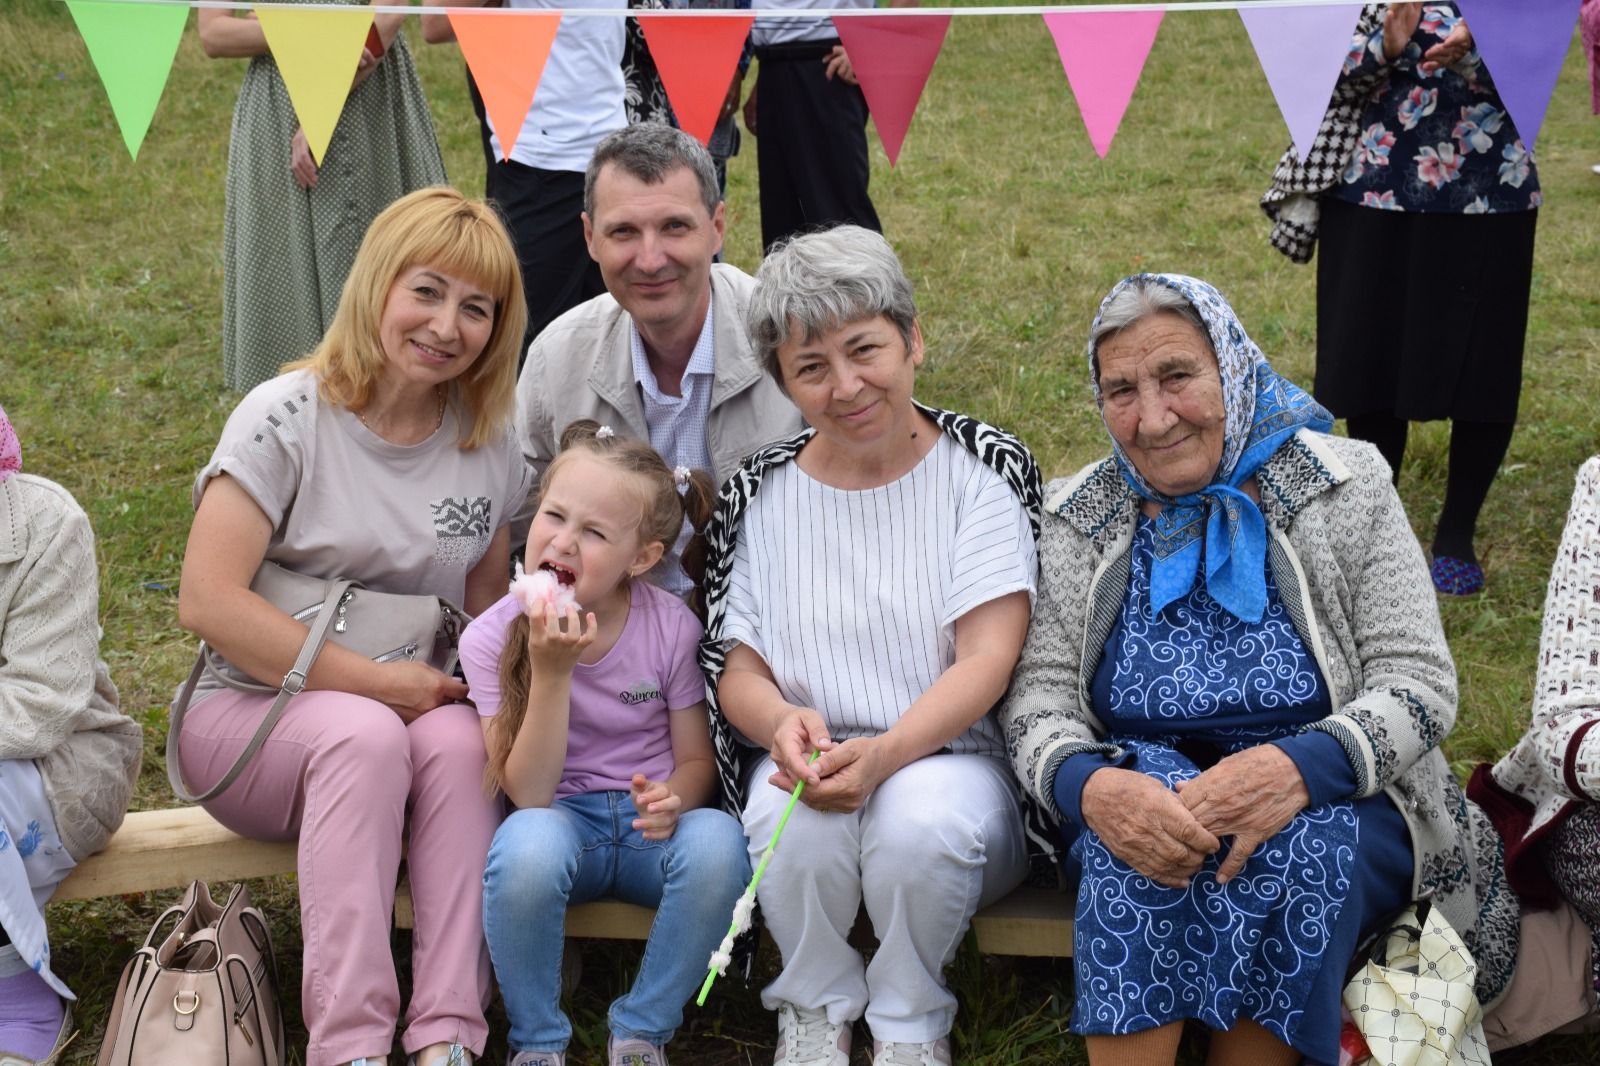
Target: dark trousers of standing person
[
  {"x": 543, "y": 209},
  {"x": 811, "y": 144},
  {"x": 1422, "y": 317}
]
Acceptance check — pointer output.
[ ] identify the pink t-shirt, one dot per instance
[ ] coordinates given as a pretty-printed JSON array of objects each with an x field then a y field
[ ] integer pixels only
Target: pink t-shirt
[{"x": 618, "y": 725}]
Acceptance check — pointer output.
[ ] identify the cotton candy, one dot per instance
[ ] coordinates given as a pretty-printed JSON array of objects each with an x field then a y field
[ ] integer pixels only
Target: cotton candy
[{"x": 541, "y": 587}]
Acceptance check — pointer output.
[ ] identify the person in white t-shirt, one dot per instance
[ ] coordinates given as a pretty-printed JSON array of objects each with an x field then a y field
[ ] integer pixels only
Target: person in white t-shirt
[
  {"x": 385, "y": 457},
  {"x": 869, "y": 584},
  {"x": 538, "y": 185}
]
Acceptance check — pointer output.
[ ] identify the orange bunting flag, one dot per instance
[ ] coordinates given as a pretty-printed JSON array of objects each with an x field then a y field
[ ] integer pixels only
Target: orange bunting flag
[
  {"x": 696, "y": 58},
  {"x": 317, "y": 51},
  {"x": 506, "y": 54},
  {"x": 892, "y": 56},
  {"x": 132, "y": 46}
]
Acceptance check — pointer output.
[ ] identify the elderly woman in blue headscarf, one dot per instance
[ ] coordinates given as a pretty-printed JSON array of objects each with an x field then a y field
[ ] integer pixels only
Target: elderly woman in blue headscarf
[{"x": 1232, "y": 693}]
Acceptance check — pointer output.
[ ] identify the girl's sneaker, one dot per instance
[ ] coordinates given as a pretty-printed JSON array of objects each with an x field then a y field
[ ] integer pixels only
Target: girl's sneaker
[
  {"x": 933, "y": 1053},
  {"x": 807, "y": 1038},
  {"x": 634, "y": 1053},
  {"x": 536, "y": 1058}
]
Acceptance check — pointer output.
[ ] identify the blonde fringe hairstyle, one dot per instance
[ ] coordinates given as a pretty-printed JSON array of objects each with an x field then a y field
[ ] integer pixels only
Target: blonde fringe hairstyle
[
  {"x": 439, "y": 228},
  {"x": 662, "y": 509}
]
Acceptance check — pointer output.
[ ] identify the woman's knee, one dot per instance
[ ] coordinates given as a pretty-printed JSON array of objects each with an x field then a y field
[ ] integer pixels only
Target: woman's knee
[
  {"x": 362, "y": 739},
  {"x": 449, "y": 737}
]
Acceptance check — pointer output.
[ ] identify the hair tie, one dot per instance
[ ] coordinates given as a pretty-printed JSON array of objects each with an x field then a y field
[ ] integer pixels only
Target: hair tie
[
  {"x": 604, "y": 433},
  {"x": 680, "y": 477}
]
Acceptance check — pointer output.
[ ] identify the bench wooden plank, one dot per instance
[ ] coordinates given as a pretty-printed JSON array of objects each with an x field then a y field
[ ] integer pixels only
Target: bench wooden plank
[{"x": 170, "y": 848}]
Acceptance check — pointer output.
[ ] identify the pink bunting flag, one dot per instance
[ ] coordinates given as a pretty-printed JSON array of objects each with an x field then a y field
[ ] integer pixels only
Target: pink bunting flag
[
  {"x": 892, "y": 56},
  {"x": 1523, "y": 43},
  {"x": 1301, "y": 50},
  {"x": 1103, "y": 54}
]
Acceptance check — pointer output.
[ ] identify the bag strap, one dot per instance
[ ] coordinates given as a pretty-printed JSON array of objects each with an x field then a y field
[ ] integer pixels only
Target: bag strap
[{"x": 293, "y": 683}]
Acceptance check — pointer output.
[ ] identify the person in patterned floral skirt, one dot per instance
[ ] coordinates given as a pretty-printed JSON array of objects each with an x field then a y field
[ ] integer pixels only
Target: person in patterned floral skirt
[
  {"x": 292, "y": 223},
  {"x": 1232, "y": 693},
  {"x": 1426, "y": 263}
]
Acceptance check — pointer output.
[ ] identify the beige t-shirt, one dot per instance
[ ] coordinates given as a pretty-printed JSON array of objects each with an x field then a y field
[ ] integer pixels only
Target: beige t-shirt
[{"x": 344, "y": 502}]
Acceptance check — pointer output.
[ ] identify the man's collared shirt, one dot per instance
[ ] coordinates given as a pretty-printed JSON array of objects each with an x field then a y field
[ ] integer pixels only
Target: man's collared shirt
[{"x": 678, "y": 423}]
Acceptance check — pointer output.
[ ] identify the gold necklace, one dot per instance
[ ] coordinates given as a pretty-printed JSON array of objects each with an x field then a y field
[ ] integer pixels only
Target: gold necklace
[{"x": 438, "y": 416}]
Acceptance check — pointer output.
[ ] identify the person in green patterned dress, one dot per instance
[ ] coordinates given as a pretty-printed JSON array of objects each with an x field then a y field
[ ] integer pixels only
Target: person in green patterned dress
[{"x": 292, "y": 224}]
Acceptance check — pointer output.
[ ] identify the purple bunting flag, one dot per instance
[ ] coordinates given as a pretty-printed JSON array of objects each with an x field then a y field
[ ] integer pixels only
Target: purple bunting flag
[
  {"x": 1523, "y": 43},
  {"x": 1301, "y": 51}
]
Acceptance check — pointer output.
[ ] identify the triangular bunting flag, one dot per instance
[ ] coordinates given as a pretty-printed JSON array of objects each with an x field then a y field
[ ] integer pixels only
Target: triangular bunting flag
[
  {"x": 506, "y": 54},
  {"x": 1523, "y": 43},
  {"x": 317, "y": 51},
  {"x": 1302, "y": 51},
  {"x": 132, "y": 46},
  {"x": 696, "y": 58},
  {"x": 892, "y": 55},
  {"x": 1103, "y": 53}
]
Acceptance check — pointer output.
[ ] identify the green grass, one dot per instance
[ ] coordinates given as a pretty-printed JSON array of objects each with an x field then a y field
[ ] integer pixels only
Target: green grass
[{"x": 1012, "y": 231}]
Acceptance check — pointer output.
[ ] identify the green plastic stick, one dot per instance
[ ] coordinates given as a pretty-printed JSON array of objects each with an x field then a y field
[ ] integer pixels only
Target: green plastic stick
[{"x": 761, "y": 868}]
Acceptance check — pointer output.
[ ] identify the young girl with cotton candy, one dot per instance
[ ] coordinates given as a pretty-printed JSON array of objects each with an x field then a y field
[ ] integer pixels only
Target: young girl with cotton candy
[{"x": 594, "y": 716}]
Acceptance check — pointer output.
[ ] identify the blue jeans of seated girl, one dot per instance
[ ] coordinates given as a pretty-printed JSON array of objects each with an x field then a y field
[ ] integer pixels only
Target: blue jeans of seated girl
[{"x": 584, "y": 848}]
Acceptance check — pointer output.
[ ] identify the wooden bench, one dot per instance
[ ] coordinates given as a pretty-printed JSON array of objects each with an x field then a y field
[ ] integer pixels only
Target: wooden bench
[{"x": 170, "y": 848}]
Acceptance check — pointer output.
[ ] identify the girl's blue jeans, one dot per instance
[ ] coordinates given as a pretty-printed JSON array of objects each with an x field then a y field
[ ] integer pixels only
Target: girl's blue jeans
[{"x": 584, "y": 848}]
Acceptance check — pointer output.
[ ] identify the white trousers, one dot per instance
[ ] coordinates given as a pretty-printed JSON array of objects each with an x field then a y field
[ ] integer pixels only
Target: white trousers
[{"x": 936, "y": 841}]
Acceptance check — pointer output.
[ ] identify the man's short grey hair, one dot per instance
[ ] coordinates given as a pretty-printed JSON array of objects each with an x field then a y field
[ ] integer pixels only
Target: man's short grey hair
[
  {"x": 649, "y": 151},
  {"x": 816, "y": 282},
  {"x": 1140, "y": 299}
]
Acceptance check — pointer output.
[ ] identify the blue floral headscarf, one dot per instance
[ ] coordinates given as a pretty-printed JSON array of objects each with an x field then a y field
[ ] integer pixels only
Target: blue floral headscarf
[{"x": 1219, "y": 525}]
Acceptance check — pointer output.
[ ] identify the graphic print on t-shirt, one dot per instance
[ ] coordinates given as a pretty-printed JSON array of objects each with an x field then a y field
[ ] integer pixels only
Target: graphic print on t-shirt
[
  {"x": 462, "y": 528},
  {"x": 640, "y": 692}
]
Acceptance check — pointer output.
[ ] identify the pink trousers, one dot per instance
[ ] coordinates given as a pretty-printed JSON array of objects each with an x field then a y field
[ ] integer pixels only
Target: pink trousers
[{"x": 344, "y": 775}]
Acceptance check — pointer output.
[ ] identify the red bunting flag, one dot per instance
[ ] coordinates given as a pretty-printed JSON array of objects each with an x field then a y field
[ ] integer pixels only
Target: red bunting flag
[
  {"x": 506, "y": 55},
  {"x": 696, "y": 58},
  {"x": 892, "y": 56},
  {"x": 1103, "y": 54}
]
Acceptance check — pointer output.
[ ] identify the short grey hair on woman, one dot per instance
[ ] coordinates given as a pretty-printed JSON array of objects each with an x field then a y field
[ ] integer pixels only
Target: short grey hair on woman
[
  {"x": 819, "y": 281},
  {"x": 649, "y": 151},
  {"x": 1141, "y": 298}
]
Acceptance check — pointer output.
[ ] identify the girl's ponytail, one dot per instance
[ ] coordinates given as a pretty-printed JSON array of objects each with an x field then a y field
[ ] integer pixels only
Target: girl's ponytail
[
  {"x": 699, "y": 504},
  {"x": 504, "y": 726}
]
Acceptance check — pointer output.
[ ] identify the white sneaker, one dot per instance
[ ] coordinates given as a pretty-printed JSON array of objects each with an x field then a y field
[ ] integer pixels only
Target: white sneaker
[
  {"x": 807, "y": 1038},
  {"x": 933, "y": 1053},
  {"x": 536, "y": 1058}
]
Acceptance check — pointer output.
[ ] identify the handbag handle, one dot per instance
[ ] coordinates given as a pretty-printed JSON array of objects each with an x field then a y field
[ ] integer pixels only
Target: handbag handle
[{"x": 293, "y": 683}]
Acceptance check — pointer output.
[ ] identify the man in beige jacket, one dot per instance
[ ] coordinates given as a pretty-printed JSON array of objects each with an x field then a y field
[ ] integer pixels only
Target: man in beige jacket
[{"x": 663, "y": 356}]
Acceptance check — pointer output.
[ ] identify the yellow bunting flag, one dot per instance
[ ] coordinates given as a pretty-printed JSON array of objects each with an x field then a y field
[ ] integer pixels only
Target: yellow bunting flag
[
  {"x": 317, "y": 51},
  {"x": 132, "y": 46}
]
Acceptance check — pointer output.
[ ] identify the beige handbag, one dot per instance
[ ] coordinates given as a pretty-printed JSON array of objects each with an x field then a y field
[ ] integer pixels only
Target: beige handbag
[
  {"x": 384, "y": 626},
  {"x": 202, "y": 990},
  {"x": 1413, "y": 1000}
]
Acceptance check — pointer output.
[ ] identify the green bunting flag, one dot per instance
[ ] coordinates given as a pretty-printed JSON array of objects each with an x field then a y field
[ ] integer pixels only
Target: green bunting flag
[{"x": 132, "y": 46}]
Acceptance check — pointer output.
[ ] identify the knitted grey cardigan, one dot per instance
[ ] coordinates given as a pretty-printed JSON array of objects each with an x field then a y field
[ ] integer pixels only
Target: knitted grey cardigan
[
  {"x": 57, "y": 704},
  {"x": 1355, "y": 584}
]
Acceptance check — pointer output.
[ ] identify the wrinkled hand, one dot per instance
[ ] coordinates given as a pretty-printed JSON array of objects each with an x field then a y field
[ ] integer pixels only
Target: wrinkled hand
[
  {"x": 413, "y": 689},
  {"x": 750, "y": 111},
  {"x": 301, "y": 165},
  {"x": 849, "y": 772},
  {"x": 1248, "y": 796},
  {"x": 1399, "y": 23},
  {"x": 1146, "y": 825},
  {"x": 800, "y": 732},
  {"x": 836, "y": 64},
  {"x": 658, "y": 807},
  {"x": 556, "y": 639},
  {"x": 1448, "y": 52}
]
